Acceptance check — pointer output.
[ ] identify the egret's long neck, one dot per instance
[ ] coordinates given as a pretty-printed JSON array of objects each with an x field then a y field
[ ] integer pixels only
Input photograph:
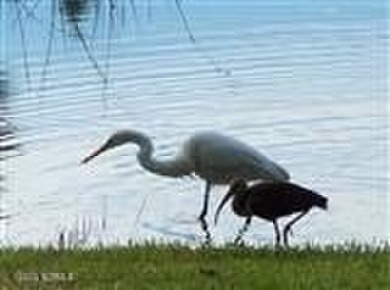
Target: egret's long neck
[{"x": 174, "y": 167}]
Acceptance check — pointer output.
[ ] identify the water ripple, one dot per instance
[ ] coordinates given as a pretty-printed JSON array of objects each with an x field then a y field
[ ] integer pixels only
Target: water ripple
[{"x": 304, "y": 84}]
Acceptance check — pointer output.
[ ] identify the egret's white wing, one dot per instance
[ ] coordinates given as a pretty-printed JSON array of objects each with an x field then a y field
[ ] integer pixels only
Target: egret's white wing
[{"x": 219, "y": 158}]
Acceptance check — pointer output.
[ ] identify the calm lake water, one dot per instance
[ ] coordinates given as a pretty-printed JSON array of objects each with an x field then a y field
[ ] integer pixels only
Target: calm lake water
[{"x": 304, "y": 82}]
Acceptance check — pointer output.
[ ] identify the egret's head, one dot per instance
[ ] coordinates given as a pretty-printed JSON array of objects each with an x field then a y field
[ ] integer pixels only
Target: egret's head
[
  {"x": 238, "y": 186},
  {"x": 119, "y": 138}
]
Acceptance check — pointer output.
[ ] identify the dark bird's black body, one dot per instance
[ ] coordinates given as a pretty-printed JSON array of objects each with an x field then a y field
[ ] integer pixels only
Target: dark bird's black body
[{"x": 271, "y": 201}]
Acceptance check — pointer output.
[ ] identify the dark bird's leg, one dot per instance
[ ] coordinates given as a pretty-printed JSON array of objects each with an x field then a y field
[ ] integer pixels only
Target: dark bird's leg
[
  {"x": 287, "y": 228},
  {"x": 202, "y": 216},
  {"x": 277, "y": 233},
  {"x": 242, "y": 231}
]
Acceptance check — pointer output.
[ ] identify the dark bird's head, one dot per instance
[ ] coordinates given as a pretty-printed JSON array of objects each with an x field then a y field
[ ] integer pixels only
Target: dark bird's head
[
  {"x": 238, "y": 186},
  {"x": 321, "y": 201}
]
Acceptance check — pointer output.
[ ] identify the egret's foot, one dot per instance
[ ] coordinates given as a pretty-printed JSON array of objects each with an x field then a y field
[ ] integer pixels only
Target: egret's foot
[
  {"x": 238, "y": 239},
  {"x": 239, "y": 242},
  {"x": 207, "y": 241}
]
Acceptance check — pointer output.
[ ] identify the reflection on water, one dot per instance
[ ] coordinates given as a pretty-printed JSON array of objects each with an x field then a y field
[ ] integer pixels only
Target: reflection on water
[
  {"x": 8, "y": 145},
  {"x": 307, "y": 88},
  {"x": 3, "y": 95},
  {"x": 75, "y": 11},
  {"x": 4, "y": 88},
  {"x": 5, "y": 128}
]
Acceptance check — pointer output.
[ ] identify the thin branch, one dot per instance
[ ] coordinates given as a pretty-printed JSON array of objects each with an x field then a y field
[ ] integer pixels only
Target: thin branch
[
  {"x": 149, "y": 11},
  {"x": 30, "y": 12},
  {"x": 109, "y": 36},
  {"x": 134, "y": 10},
  {"x": 23, "y": 40},
  {"x": 185, "y": 21},
  {"x": 33, "y": 16},
  {"x": 63, "y": 28},
  {"x": 212, "y": 61},
  {"x": 49, "y": 45},
  {"x": 88, "y": 53},
  {"x": 141, "y": 210},
  {"x": 108, "y": 50},
  {"x": 96, "y": 20}
]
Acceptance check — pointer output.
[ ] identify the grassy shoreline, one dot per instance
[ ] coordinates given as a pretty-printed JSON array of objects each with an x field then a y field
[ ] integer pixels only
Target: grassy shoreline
[{"x": 173, "y": 266}]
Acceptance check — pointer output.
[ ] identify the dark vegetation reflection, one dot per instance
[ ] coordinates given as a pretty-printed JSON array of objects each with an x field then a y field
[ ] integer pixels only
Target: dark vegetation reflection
[
  {"x": 8, "y": 145},
  {"x": 84, "y": 21},
  {"x": 75, "y": 11}
]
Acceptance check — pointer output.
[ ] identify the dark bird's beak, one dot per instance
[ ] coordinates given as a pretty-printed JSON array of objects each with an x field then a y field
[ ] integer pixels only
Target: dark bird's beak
[
  {"x": 94, "y": 154},
  {"x": 228, "y": 195}
]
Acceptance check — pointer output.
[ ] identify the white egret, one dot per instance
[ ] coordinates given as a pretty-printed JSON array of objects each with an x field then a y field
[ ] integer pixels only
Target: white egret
[{"x": 214, "y": 157}]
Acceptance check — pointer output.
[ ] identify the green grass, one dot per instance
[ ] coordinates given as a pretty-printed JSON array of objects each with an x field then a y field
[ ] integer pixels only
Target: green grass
[{"x": 180, "y": 267}]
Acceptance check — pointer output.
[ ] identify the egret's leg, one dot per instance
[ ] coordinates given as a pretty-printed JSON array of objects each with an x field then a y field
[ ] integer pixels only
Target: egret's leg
[
  {"x": 277, "y": 233},
  {"x": 243, "y": 230},
  {"x": 287, "y": 228},
  {"x": 203, "y": 213}
]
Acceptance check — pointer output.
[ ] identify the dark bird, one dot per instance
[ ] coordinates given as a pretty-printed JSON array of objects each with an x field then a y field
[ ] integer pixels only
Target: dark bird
[
  {"x": 214, "y": 157},
  {"x": 271, "y": 201}
]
